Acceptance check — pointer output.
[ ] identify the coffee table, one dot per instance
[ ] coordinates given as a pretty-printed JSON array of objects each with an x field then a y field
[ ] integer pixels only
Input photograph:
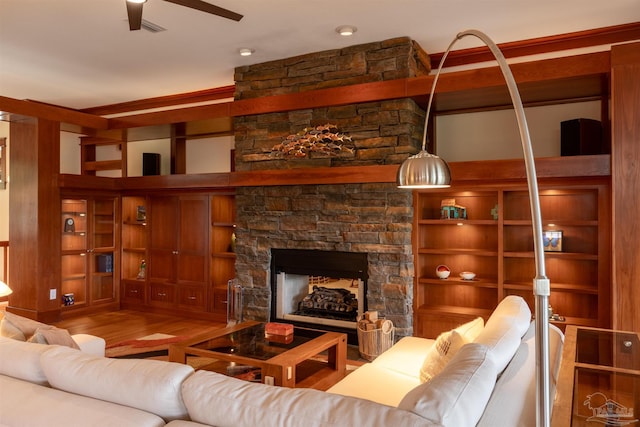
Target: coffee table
[{"x": 310, "y": 358}]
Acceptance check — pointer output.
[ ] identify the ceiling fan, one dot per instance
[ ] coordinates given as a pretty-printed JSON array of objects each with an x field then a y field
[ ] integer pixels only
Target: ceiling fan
[{"x": 134, "y": 10}]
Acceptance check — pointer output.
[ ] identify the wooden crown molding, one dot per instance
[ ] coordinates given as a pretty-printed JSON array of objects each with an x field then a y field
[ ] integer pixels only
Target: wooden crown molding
[
  {"x": 205, "y": 95},
  {"x": 538, "y": 45}
]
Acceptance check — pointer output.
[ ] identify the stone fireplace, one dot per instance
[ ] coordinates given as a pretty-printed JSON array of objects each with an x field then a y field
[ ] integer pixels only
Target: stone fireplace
[{"x": 370, "y": 219}]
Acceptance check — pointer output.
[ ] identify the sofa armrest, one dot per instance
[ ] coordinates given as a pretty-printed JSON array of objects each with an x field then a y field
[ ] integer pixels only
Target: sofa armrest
[{"x": 90, "y": 344}]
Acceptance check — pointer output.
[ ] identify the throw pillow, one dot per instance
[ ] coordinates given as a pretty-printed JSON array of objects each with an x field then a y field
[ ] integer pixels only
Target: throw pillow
[
  {"x": 446, "y": 346},
  {"x": 472, "y": 329},
  {"x": 54, "y": 336},
  {"x": 9, "y": 330},
  {"x": 26, "y": 326},
  {"x": 441, "y": 352},
  {"x": 458, "y": 396}
]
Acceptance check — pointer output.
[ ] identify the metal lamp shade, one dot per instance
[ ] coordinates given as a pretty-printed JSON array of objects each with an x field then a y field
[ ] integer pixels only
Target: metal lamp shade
[{"x": 424, "y": 170}]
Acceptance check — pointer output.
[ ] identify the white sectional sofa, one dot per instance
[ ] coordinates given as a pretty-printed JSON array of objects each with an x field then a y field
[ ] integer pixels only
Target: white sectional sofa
[{"x": 51, "y": 385}]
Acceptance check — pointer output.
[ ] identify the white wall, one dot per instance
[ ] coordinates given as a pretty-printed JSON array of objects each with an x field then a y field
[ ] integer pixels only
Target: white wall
[
  {"x": 209, "y": 155},
  {"x": 70, "y": 153},
  {"x": 494, "y": 134}
]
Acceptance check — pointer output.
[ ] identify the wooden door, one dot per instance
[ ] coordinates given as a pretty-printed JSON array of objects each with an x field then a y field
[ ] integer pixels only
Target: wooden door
[
  {"x": 163, "y": 225},
  {"x": 192, "y": 240}
]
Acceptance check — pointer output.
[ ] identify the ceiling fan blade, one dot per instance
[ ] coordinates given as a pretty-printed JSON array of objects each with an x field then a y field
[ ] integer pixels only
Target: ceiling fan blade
[
  {"x": 207, "y": 7},
  {"x": 134, "y": 12}
]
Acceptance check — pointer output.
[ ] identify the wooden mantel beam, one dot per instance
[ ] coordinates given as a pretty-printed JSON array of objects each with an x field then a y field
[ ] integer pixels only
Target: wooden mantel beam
[{"x": 556, "y": 68}]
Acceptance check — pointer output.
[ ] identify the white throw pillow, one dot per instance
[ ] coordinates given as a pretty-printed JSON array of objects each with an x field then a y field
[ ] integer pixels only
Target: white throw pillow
[
  {"x": 472, "y": 329},
  {"x": 441, "y": 352},
  {"x": 447, "y": 345},
  {"x": 458, "y": 395}
]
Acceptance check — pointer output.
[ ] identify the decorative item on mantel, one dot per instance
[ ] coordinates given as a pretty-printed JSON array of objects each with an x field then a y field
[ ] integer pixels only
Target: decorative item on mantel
[
  {"x": 322, "y": 140},
  {"x": 449, "y": 210}
]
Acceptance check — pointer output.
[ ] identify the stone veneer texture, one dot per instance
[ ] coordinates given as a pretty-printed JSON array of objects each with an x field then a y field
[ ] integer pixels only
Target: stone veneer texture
[{"x": 371, "y": 218}]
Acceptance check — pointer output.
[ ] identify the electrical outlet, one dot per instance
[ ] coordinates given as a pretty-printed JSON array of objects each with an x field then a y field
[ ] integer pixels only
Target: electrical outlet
[
  {"x": 268, "y": 380},
  {"x": 53, "y": 294}
]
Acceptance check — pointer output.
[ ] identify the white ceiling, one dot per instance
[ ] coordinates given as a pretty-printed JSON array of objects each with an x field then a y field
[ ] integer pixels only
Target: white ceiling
[{"x": 80, "y": 53}]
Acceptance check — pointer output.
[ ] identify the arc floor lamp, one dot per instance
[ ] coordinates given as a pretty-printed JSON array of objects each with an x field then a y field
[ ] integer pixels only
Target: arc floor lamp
[{"x": 425, "y": 170}]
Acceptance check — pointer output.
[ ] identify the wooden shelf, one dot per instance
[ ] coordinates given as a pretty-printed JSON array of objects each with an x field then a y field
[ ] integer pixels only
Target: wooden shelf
[{"x": 502, "y": 255}]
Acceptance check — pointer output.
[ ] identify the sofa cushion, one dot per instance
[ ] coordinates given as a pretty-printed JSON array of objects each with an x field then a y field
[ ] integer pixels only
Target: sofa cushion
[
  {"x": 514, "y": 395},
  {"x": 457, "y": 396},
  {"x": 150, "y": 385},
  {"x": 405, "y": 356},
  {"x": 504, "y": 330},
  {"x": 377, "y": 384},
  {"x": 19, "y": 359},
  {"x": 222, "y": 401},
  {"x": 27, "y": 404}
]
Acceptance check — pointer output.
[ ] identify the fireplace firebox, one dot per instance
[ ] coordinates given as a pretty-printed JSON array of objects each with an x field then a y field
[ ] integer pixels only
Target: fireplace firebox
[{"x": 319, "y": 289}]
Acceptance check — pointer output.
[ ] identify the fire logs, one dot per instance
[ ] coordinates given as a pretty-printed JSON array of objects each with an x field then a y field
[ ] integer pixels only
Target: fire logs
[{"x": 329, "y": 301}]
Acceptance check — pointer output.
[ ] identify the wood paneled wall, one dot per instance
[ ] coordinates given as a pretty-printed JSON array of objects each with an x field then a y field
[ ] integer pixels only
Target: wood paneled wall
[{"x": 625, "y": 158}]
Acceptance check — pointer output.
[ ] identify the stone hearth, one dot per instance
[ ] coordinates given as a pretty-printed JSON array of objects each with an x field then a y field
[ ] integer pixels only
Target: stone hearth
[{"x": 370, "y": 218}]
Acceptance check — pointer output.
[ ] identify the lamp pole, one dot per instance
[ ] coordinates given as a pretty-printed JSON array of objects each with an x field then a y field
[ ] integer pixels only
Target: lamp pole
[{"x": 425, "y": 170}]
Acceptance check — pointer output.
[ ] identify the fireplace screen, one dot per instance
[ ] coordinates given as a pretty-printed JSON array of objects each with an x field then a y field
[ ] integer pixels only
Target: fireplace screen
[
  {"x": 303, "y": 294},
  {"x": 319, "y": 300}
]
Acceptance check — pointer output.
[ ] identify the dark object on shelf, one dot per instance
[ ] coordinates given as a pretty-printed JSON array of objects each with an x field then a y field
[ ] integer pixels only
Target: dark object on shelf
[
  {"x": 150, "y": 164},
  {"x": 580, "y": 137},
  {"x": 105, "y": 263},
  {"x": 68, "y": 299},
  {"x": 69, "y": 225}
]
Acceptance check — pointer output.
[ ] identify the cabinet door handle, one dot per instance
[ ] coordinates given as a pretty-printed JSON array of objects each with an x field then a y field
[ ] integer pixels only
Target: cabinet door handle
[
  {"x": 162, "y": 294},
  {"x": 133, "y": 291},
  {"x": 191, "y": 297}
]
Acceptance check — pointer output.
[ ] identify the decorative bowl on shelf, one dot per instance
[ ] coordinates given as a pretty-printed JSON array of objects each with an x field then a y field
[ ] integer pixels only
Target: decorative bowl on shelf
[
  {"x": 442, "y": 271},
  {"x": 467, "y": 275}
]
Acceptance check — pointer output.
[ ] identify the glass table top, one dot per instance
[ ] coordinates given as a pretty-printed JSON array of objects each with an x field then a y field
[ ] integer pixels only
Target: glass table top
[
  {"x": 608, "y": 348},
  {"x": 254, "y": 343}
]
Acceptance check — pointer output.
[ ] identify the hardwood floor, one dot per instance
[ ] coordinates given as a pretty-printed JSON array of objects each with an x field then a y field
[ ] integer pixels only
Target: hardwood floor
[{"x": 123, "y": 325}]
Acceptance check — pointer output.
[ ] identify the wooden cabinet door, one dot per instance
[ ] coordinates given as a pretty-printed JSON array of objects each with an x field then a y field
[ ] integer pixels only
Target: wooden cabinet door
[
  {"x": 163, "y": 224},
  {"x": 103, "y": 262},
  {"x": 193, "y": 240}
]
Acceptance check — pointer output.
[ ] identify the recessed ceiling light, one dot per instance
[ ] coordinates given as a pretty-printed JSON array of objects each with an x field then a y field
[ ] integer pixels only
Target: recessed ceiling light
[
  {"x": 246, "y": 51},
  {"x": 346, "y": 30}
]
